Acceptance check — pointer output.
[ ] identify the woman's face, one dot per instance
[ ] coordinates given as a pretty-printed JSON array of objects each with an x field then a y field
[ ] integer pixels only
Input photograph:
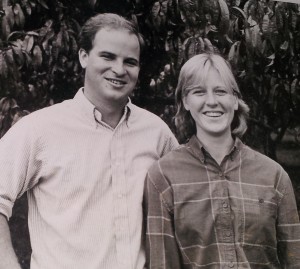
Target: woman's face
[{"x": 212, "y": 106}]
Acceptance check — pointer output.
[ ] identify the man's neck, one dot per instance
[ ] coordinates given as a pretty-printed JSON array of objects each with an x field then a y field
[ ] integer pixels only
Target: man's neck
[
  {"x": 111, "y": 112},
  {"x": 110, "y": 116},
  {"x": 218, "y": 147}
]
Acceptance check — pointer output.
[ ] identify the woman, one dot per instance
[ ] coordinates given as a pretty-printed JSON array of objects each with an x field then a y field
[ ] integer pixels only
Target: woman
[{"x": 214, "y": 202}]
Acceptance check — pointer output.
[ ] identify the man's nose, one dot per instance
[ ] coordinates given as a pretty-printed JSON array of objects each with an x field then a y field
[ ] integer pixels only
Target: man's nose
[{"x": 118, "y": 68}]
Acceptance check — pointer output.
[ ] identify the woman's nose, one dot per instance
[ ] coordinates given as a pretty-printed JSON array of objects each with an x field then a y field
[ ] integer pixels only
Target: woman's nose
[{"x": 211, "y": 99}]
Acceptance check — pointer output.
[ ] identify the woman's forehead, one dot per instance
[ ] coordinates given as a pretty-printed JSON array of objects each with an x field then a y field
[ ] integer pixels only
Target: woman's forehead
[{"x": 200, "y": 77}]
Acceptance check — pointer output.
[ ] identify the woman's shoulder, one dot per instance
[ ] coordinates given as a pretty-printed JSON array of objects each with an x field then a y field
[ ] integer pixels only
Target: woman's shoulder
[{"x": 170, "y": 164}]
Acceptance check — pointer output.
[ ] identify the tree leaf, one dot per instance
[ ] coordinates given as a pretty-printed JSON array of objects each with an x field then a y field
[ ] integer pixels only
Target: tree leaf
[
  {"x": 92, "y": 3},
  {"x": 15, "y": 34},
  {"x": 19, "y": 57},
  {"x": 155, "y": 9},
  {"x": 66, "y": 40},
  {"x": 234, "y": 52},
  {"x": 10, "y": 16},
  {"x": 4, "y": 3},
  {"x": 5, "y": 27},
  {"x": 285, "y": 45},
  {"x": 32, "y": 3},
  {"x": 238, "y": 13},
  {"x": 43, "y": 3},
  {"x": 50, "y": 34},
  {"x": 4, "y": 103},
  {"x": 30, "y": 43},
  {"x": 19, "y": 15},
  {"x": 59, "y": 39},
  {"x": 74, "y": 46},
  {"x": 9, "y": 57},
  {"x": 224, "y": 20},
  {"x": 28, "y": 59},
  {"x": 33, "y": 33},
  {"x": 37, "y": 58},
  {"x": 208, "y": 45},
  {"x": 3, "y": 66},
  {"x": 265, "y": 24}
]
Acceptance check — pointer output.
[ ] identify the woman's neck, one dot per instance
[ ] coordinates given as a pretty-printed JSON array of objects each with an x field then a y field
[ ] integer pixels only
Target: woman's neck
[{"x": 217, "y": 146}]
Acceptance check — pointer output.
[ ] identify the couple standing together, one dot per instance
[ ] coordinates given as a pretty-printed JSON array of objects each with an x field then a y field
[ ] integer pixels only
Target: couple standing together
[{"x": 210, "y": 203}]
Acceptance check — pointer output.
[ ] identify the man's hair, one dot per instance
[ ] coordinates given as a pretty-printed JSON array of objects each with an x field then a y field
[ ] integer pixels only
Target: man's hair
[
  {"x": 196, "y": 70},
  {"x": 107, "y": 21}
]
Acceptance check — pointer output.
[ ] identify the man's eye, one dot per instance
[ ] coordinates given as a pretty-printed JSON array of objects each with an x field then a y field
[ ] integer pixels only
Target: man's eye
[
  {"x": 107, "y": 56},
  {"x": 131, "y": 63}
]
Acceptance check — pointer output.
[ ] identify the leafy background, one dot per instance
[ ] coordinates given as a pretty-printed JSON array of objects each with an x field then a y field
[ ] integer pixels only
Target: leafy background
[{"x": 39, "y": 64}]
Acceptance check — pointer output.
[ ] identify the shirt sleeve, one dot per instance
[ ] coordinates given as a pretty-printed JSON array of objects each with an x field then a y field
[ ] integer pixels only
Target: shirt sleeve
[
  {"x": 288, "y": 227},
  {"x": 161, "y": 247},
  {"x": 16, "y": 165},
  {"x": 169, "y": 141}
]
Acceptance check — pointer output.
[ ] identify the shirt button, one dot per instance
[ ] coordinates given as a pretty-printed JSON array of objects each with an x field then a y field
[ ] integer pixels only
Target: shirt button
[
  {"x": 225, "y": 205},
  {"x": 220, "y": 174},
  {"x": 228, "y": 233},
  {"x": 231, "y": 265}
]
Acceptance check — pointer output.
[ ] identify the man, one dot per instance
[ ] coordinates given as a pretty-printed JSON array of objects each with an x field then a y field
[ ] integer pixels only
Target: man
[{"x": 83, "y": 162}]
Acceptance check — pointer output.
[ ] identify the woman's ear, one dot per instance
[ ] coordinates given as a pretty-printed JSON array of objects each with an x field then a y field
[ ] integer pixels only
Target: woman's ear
[
  {"x": 236, "y": 103},
  {"x": 83, "y": 58},
  {"x": 185, "y": 103}
]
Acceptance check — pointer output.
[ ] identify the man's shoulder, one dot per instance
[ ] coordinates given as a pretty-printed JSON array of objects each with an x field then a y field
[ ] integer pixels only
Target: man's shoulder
[
  {"x": 46, "y": 114},
  {"x": 42, "y": 118},
  {"x": 176, "y": 155},
  {"x": 144, "y": 115},
  {"x": 173, "y": 157},
  {"x": 142, "y": 111}
]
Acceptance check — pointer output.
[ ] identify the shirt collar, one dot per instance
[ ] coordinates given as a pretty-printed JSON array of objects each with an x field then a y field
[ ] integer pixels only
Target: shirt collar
[
  {"x": 91, "y": 111},
  {"x": 197, "y": 148}
]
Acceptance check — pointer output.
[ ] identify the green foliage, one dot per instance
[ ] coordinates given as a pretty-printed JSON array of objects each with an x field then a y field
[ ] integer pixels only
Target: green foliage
[{"x": 261, "y": 39}]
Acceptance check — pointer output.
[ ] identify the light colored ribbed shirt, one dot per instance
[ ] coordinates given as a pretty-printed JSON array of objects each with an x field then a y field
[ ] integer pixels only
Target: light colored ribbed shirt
[{"x": 84, "y": 182}]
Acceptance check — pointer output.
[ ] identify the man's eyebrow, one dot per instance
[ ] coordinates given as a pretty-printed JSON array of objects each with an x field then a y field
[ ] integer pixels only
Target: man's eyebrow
[{"x": 106, "y": 52}]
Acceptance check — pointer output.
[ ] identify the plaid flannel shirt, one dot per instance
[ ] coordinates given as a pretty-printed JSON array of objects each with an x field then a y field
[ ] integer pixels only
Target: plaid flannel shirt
[{"x": 239, "y": 214}]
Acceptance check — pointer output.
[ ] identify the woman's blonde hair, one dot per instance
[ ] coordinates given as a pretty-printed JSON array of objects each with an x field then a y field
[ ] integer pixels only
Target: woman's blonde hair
[{"x": 197, "y": 69}]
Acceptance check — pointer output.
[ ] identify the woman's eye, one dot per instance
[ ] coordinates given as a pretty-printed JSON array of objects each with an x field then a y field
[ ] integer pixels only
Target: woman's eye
[
  {"x": 199, "y": 92},
  {"x": 221, "y": 92}
]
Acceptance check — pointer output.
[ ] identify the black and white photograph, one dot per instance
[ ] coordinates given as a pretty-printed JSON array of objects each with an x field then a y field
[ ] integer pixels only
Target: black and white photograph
[{"x": 149, "y": 134}]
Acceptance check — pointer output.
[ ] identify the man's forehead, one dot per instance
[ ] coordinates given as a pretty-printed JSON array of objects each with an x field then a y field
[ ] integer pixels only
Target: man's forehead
[{"x": 114, "y": 33}]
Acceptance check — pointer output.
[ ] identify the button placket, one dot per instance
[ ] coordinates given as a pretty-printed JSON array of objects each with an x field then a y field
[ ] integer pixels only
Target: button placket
[{"x": 119, "y": 199}]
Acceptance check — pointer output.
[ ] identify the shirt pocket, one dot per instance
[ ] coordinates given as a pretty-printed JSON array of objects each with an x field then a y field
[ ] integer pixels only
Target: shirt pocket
[{"x": 260, "y": 216}]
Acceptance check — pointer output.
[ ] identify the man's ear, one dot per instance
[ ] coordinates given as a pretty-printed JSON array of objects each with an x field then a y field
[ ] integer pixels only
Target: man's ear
[{"x": 83, "y": 58}]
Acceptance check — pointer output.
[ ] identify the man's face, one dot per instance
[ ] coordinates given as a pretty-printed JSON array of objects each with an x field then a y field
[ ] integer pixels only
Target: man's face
[{"x": 111, "y": 67}]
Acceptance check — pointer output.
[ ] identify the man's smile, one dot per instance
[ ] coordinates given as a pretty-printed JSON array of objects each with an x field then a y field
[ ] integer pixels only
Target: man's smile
[{"x": 116, "y": 81}]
